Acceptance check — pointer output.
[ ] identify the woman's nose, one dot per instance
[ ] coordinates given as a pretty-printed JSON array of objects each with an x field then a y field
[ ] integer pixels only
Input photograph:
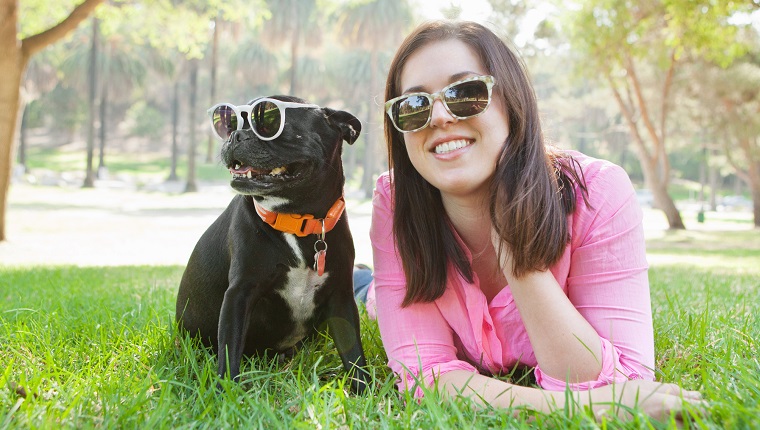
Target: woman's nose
[{"x": 440, "y": 116}]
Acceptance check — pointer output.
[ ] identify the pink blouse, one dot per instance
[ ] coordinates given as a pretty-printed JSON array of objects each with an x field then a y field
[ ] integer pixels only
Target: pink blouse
[{"x": 603, "y": 272}]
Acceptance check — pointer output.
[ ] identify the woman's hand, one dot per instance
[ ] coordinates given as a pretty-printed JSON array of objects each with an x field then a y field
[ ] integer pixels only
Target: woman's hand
[{"x": 655, "y": 399}]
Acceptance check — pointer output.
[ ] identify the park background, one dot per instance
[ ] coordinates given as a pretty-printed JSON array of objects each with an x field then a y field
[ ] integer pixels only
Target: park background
[{"x": 113, "y": 174}]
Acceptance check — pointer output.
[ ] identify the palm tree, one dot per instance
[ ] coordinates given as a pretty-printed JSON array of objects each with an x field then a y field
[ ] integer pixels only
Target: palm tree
[
  {"x": 297, "y": 19},
  {"x": 92, "y": 77},
  {"x": 375, "y": 26},
  {"x": 115, "y": 66},
  {"x": 41, "y": 77}
]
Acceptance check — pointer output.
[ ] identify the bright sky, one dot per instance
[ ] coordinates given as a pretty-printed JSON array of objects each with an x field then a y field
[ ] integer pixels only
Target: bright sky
[
  {"x": 472, "y": 10},
  {"x": 478, "y": 11}
]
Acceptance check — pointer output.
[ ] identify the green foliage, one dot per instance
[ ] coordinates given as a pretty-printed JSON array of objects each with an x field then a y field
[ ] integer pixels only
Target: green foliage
[
  {"x": 147, "y": 120},
  {"x": 606, "y": 32},
  {"x": 65, "y": 107},
  {"x": 36, "y": 16},
  {"x": 97, "y": 347}
]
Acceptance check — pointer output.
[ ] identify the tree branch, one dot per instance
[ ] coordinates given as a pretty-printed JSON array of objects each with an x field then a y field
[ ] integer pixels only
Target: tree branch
[
  {"x": 634, "y": 79},
  {"x": 628, "y": 115},
  {"x": 35, "y": 43}
]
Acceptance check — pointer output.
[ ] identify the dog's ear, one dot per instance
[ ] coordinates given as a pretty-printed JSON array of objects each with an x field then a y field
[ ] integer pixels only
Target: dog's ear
[{"x": 349, "y": 125}]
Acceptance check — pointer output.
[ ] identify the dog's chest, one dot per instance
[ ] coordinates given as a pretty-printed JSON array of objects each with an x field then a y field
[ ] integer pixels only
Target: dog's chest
[{"x": 301, "y": 285}]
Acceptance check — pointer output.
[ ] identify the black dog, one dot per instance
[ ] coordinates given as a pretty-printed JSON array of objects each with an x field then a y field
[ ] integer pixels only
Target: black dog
[{"x": 262, "y": 277}]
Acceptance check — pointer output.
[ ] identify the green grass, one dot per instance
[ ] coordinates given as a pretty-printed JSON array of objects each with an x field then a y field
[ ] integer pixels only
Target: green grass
[
  {"x": 145, "y": 166},
  {"x": 96, "y": 347}
]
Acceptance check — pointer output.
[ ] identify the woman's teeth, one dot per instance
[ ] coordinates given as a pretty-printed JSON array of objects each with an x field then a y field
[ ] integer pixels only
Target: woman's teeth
[{"x": 452, "y": 145}]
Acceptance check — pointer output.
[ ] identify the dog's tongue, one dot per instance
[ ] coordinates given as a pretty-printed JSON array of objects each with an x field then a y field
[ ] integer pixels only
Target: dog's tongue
[{"x": 244, "y": 170}]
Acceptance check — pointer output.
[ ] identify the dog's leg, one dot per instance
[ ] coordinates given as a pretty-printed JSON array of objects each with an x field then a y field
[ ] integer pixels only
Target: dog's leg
[
  {"x": 234, "y": 319},
  {"x": 343, "y": 326}
]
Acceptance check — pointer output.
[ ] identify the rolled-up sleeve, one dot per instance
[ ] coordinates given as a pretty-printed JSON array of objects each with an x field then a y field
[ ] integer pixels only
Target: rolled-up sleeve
[
  {"x": 418, "y": 340},
  {"x": 608, "y": 281}
]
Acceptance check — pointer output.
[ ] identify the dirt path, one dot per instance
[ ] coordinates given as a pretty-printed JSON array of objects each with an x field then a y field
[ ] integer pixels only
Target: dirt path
[{"x": 116, "y": 226}]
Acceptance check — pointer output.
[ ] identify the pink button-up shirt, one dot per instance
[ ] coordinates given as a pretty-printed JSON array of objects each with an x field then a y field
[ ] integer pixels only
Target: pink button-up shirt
[{"x": 603, "y": 272}]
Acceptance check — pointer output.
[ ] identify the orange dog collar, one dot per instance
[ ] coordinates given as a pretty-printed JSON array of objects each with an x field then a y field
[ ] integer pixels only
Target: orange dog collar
[{"x": 302, "y": 225}]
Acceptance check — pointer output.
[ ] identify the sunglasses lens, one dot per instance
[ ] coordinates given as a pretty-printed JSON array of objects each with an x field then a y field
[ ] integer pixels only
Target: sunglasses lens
[
  {"x": 225, "y": 121},
  {"x": 467, "y": 99},
  {"x": 266, "y": 119},
  {"x": 411, "y": 113}
]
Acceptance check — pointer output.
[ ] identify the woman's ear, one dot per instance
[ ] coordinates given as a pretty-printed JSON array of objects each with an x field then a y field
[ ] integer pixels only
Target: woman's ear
[{"x": 350, "y": 127}]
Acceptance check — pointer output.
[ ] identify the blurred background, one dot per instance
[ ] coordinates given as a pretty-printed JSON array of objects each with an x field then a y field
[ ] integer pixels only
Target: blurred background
[{"x": 668, "y": 89}]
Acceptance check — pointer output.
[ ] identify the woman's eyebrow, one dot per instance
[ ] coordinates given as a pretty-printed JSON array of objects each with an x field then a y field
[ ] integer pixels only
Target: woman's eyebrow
[{"x": 453, "y": 78}]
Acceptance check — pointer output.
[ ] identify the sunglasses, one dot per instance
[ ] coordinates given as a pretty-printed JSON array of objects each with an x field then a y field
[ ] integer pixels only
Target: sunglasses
[
  {"x": 267, "y": 117},
  {"x": 463, "y": 99}
]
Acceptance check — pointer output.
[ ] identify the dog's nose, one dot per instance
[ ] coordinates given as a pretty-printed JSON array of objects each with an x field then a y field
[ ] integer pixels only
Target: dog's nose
[{"x": 236, "y": 136}]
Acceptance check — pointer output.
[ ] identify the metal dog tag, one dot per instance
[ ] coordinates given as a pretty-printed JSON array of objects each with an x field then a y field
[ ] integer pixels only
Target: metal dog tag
[{"x": 319, "y": 262}]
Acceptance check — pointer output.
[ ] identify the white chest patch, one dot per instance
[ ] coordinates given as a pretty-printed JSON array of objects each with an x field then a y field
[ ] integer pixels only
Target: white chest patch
[
  {"x": 272, "y": 203},
  {"x": 301, "y": 286}
]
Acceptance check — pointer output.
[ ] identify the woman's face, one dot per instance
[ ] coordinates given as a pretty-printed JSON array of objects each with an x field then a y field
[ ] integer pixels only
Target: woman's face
[{"x": 467, "y": 149}]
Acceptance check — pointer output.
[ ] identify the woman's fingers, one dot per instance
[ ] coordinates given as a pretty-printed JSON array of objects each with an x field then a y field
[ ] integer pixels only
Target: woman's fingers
[{"x": 663, "y": 401}]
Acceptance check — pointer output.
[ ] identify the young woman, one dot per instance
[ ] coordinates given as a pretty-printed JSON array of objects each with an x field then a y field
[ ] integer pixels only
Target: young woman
[{"x": 492, "y": 250}]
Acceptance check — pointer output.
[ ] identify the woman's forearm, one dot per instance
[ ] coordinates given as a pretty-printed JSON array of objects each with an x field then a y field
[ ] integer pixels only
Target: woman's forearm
[
  {"x": 566, "y": 346},
  {"x": 500, "y": 394},
  {"x": 658, "y": 400}
]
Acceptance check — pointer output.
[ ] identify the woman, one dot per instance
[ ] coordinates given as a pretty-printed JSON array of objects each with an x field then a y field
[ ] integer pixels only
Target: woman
[{"x": 493, "y": 251}]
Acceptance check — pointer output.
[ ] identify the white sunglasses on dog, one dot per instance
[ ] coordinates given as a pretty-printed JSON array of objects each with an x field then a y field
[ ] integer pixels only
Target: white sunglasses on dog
[{"x": 266, "y": 116}]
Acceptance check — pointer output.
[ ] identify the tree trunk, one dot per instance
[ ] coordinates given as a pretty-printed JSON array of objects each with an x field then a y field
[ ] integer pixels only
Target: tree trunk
[
  {"x": 654, "y": 163},
  {"x": 175, "y": 130},
  {"x": 756, "y": 204},
  {"x": 89, "y": 179},
  {"x": 712, "y": 175},
  {"x": 14, "y": 57},
  {"x": 367, "y": 185},
  {"x": 103, "y": 127},
  {"x": 21, "y": 159},
  {"x": 192, "y": 185},
  {"x": 103, "y": 122},
  {"x": 295, "y": 39},
  {"x": 12, "y": 66},
  {"x": 210, "y": 146}
]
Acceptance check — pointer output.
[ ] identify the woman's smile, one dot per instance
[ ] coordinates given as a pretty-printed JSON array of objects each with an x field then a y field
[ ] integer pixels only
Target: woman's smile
[{"x": 451, "y": 146}]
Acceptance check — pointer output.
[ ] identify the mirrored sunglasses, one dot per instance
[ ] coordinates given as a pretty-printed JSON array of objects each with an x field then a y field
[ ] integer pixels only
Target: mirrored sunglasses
[
  {"x": 463, "y": 99},
  {"x": 266, "y": 117}
]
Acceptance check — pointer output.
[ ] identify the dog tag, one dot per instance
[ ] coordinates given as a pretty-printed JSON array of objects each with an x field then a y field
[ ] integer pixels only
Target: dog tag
[{"x": 319, "y": 262}]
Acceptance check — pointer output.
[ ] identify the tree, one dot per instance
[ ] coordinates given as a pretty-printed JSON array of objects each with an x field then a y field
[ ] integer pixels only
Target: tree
[
  {"x": 375, "y": 26},
  {"x": 15, "y": 53},
  {"x": 730, "y": 111},
  {"x": 293, "y": 22},
  {"x": 637, "y": 49}
]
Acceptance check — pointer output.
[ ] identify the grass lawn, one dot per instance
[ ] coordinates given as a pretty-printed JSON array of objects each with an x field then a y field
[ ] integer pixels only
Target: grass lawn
[
  {"x": 96, "y": 347},
  {"x": 146, "y": 166}
]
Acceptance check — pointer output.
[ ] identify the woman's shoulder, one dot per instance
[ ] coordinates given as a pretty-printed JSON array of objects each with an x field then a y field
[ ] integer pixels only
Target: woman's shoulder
[
  {"x": 608, "y": 191},
  {"x": 599, "y": 175},
  {"x": 383, "y": 186}
]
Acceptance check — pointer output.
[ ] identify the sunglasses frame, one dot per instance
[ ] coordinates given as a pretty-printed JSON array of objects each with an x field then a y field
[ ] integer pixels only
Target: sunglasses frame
[
  {"x": 486, "y": 79},
  {"x": 239, "y": 109}
]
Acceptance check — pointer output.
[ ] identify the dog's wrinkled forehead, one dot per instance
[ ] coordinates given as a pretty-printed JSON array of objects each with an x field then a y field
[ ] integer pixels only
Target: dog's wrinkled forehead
[{"x": 280, "y": 97}]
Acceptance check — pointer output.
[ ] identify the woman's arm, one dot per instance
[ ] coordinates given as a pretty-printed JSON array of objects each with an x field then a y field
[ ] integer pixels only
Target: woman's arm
[
  {"x": 655, "y": 399},
  {"x": 566, "y": 346},
  {"x": 599, "y": 327}
]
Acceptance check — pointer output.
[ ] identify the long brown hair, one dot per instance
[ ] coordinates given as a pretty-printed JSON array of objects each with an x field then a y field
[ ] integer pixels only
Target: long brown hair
[{"x": 532, "y": 190}]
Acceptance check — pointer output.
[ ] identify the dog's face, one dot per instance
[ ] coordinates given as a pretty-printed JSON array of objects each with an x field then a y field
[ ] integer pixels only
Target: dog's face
[{"x": 306, "y": 153}]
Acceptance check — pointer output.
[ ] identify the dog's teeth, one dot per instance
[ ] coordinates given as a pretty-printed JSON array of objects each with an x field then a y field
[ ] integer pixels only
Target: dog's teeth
[{"x": 278, "y": 171}]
